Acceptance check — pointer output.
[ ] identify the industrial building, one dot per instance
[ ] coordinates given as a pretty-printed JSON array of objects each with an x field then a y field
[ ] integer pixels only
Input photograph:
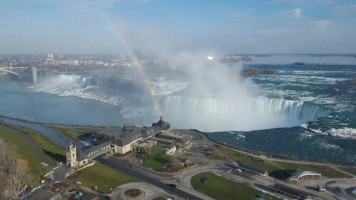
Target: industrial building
[
  {"x": 252, "y": 169},
  {"x": 301, "y": 175}
]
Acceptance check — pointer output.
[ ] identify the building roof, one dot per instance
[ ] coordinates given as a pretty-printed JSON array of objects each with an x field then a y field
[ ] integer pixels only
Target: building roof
[
  {"x": 292, "y": 191},
  {"x": 299, "y": 173},
  {"x": 122, "y": 136},
  {"x": 252, "y": 168},
  {"x": 84, "y": 154},
  {"x": 162, "y": 124}
]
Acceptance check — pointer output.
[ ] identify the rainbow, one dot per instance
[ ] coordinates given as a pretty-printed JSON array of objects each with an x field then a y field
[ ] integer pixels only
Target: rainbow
[{"x": 143, "y": 73}]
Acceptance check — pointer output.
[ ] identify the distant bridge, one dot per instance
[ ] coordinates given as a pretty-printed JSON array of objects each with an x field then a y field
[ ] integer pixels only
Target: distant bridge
[
  {"x": 19, "y": 70},
  {"x": 13, "y": 70}
]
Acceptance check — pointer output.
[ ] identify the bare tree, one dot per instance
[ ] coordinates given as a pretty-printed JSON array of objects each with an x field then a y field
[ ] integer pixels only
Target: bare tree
[{"x": 13, "y": 173}]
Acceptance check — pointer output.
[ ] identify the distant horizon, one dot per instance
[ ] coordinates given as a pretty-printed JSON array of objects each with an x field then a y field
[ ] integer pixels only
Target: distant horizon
[
  {"x": 159, "y": 26},
  {"x": 226, "y": 54}
]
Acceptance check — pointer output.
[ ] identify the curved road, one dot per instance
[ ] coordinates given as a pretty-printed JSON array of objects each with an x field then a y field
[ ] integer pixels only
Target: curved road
[
  {"x": 143, "y": 175},
  {"x": 55, "y": 136}
]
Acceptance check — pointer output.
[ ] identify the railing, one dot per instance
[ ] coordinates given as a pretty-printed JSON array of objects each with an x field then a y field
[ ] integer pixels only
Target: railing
[{"x": 101, "y": 152}]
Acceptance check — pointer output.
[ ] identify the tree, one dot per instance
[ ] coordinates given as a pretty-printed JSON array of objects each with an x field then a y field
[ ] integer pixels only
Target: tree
[{"x": 13, "y": 173}]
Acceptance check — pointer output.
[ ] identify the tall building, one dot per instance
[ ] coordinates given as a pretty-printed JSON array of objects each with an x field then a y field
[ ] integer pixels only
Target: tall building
[
  {"x": 60, "y": 56},
  {"x": 73, "y": 62},
  {"x": 50, "y": 55},
  {"x": 122, "y": 58},
  {"x": 72, "y": 156}
]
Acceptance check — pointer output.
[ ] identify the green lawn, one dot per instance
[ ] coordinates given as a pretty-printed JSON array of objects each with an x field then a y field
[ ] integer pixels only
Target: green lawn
[
  {"x": 325, "y": 171},
  {"x": 222, "y": 188},
  {"x": 52, "y": 151},
  {"x": 69, "y": 132},
  {"x": 156, "y": 159},
  {"x": 249, "y": 160},
  {"x": 101, "y": 176},
  {"x": 25, "y": 151},
  {"x": 215, "y": 155},
  {"x": 351, "y": 170},
  {"x": 86, "y": 130}
]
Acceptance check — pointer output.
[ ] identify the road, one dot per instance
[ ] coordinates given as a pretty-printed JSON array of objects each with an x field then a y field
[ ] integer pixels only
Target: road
[
  {"x": 38, "y": 151},
  {"x": 55, "y": 136},
  {"x": 150, "y": 177}
]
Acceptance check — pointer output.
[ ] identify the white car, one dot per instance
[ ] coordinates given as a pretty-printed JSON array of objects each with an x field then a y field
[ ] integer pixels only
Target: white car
[{"x": 237, "y": 170}]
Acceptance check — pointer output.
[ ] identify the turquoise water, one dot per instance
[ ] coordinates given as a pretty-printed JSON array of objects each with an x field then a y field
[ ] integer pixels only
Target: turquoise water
[{"x": 19, "y": 102}]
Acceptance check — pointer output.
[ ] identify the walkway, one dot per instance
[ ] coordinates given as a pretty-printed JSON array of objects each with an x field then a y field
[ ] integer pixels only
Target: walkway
[
  {"x": 55, "y": 136},
  {"x": 38, "y": 151}
]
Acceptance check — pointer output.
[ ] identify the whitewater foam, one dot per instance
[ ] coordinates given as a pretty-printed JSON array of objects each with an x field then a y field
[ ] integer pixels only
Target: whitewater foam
[
  {"x": 342, "y": 132},
  {"x": 349, "y": 133},
  {"x": 77, "y": 86},
  {"x": 238, "y": 114},
  {"x": 168, "y": 87}
]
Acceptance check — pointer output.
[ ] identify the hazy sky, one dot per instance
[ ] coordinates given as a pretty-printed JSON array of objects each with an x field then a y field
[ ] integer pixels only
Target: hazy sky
[{"x": 244, "y": 26}]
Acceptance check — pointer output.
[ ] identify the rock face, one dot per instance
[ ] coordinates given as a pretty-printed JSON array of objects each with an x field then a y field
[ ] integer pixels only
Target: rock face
[
  {"x": 298, "y": 63},
  {"x": 351, "y": 81},
  {"x": 269, "y": 71},
  {"x": 252, "y": 71}
]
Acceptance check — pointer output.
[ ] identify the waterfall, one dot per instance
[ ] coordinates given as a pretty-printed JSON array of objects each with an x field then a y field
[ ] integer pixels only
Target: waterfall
[
  {"x": 222, "y": 114},
  {"x": 62, "y": 83}
]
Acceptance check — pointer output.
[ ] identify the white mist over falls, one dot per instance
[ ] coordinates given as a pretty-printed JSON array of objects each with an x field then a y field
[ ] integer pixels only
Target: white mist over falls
[{"x": 215, "y": 97}]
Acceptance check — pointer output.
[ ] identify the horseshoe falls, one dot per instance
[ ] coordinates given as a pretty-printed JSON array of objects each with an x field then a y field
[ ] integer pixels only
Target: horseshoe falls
[{"x": 216, "y": 114}]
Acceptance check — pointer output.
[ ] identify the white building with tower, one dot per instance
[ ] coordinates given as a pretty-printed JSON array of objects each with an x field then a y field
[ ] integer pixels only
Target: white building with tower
[{"x": 112, "y": 140}]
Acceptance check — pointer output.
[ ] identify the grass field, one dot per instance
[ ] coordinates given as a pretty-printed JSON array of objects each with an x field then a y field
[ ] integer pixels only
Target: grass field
[
  {"x": 249, "y": 160},
  {"x": 215, "y": 155},
  {"x": 25, "y": 151},
  {"x": 156, "y": 159},
  {"x": 222, "y": 188},
  {"x": 351, "y": 170},
  {"x": 325, "y": 171},
  {"x": 101, "y": 176},
  {"x": 52, "y": 151},
  {"x": 86, "y": 130},
  {"x": 69, "y": 132}
]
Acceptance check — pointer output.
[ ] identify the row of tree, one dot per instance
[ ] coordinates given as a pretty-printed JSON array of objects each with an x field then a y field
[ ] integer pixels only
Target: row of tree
[{"x": 13, "y": 173}]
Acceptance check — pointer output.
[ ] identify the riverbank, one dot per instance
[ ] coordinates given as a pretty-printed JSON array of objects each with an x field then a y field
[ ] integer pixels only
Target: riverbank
[
  {"x": 275, "y": 157},
  {"x": 275, "y": 167}
]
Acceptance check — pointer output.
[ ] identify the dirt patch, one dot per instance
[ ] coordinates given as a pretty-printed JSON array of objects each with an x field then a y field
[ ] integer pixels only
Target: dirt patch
[
  {"x": 133, "y": 193},
  {"x": 202, "y": 180},
  {"x": 60, "y": 185},
  {"x": 160, "y": 198}
]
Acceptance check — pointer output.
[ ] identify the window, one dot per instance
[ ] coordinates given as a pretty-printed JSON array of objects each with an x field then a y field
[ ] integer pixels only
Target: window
[{"x": 73, "y": 154}]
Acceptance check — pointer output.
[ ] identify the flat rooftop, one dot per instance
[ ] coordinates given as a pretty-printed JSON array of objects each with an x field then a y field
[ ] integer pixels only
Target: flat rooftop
[{"x": 120, "y": 131}]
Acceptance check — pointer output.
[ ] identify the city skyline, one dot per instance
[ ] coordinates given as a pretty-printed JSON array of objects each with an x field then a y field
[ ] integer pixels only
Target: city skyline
[{"x": 113, "y": 27}]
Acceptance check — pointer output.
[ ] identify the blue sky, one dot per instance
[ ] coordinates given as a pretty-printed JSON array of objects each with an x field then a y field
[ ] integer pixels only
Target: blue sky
[{"x": 109, "y": 26}]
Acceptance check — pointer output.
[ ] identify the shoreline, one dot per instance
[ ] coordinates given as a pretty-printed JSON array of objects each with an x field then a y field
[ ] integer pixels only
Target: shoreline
[{"x": 279, "y": 157}]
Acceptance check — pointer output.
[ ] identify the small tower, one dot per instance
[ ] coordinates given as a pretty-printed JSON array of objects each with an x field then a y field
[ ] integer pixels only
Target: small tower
[{"x": 71, "y": 155}]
